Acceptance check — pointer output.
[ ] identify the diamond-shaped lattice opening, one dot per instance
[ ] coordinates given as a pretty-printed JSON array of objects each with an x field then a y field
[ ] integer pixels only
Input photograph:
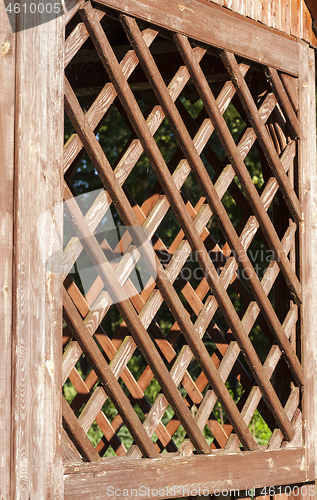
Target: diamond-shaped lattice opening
[
  {"x": 259, "y": 429},
  {"x": 138, "y": 163},
  {"x": 142, "y": 182}
]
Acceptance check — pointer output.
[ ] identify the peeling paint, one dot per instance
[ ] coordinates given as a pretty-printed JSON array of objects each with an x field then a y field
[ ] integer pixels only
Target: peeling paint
[
  {"x": 41, "y": 373},
  {"x": 50, "y": 367},
  {"x": 5, "y": 48},
  {"x": 271, "y": 463},
  {"x": 314, "y": 216},
  {"x": 302, "y": 465},
  {"x": 183, "y": 7}
]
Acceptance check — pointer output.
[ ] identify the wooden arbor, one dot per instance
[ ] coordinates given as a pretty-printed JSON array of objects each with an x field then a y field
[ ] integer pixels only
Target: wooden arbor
[{"x": 160, "y": 54}]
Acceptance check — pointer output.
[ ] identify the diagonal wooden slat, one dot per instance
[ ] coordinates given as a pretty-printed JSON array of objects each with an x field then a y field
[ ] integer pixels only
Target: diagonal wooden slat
[
  {"x": 106, "y": 377},
  {"x": 76, "y": 40},
  {"x": 128, "y": 312},
  {"x": 240, "y": 168},
  {"x": 75, "y": 431},
  {"x": 263, "y": 138},
  {"x": 284, "y": 101},
  {"x": 70, "y": 453}
]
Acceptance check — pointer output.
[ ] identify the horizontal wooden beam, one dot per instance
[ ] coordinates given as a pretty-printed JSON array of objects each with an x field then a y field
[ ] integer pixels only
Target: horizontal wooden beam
[
  {"x": 210, "y": 24},
  {"x": 166, "y": 477}
]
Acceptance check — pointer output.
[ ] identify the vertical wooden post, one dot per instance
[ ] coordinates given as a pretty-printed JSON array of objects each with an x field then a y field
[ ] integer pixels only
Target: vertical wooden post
[
  {"x": 308, "y": 236},
  {"x": 7, "y": 83},
  {"x": 37, "y": 307}
]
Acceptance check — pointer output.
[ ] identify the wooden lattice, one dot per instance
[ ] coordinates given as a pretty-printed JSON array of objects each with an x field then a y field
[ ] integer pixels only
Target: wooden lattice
[{"x": 193, "y": 361}]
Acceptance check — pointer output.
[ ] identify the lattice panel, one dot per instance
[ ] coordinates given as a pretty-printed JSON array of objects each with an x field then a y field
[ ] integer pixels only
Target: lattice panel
[{"x": 182, "y": 366}]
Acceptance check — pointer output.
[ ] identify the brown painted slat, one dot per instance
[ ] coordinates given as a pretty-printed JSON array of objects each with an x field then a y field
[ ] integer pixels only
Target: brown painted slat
[
  {"x": 103, "y": 102},
  {"x": 211, "y": 24},
  {"x": 291, "y": 86},
  {"x": 76, "y": 40},
  {"x": 308, "y": 242},
  {"x": 70, "y": 453},
  {"x": 78, "y": 435},
  {"x": 284, "y": 102},
  {"x": 290, "y": 408},
  {"x": 7, "y": 114},
  {"x": 37, "y": 316},
  {"x": 89, "y": 482}
]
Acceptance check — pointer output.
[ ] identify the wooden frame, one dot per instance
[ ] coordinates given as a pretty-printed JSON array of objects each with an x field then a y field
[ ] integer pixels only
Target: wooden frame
[
  {"x": 81, "y": 478},
  {"x": 174, "y": 475},
  {"x": 7, "y": 78},
  {"x": 308, "y": 160}
]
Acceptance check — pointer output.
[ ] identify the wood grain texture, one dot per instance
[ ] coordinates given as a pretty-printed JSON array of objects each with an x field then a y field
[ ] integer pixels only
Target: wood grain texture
[
  {"x": 308, "y": 234},
  {"x": 37, "y": 314},
  {"x": 209, "y": 23},
  {"x": 7, "y": 82},
  {"x": 287, "y": 16},
  {"x": 90, "y": 482}
]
